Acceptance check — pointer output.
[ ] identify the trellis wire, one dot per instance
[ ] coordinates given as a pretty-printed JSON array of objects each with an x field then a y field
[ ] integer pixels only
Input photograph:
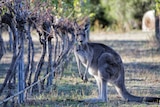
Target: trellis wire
[{"x": 46, "y": 76}]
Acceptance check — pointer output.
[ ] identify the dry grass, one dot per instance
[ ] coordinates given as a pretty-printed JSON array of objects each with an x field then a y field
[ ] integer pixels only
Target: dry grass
[{"x": 142, "y": 67}]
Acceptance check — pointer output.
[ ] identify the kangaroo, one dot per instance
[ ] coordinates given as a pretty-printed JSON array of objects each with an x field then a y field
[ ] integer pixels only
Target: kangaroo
[{"x": 104, "y": 64}]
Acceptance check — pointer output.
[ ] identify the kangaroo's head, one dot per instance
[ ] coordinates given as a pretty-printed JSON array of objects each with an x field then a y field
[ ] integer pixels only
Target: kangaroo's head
[{"x": 82, "y": 32}]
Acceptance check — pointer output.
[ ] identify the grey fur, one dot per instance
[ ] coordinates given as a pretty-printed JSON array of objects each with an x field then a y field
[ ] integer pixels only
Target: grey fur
[{"x": 105, "y": 65}]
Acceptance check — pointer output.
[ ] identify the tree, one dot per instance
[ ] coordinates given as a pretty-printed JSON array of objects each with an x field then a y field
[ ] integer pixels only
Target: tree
[{"x": 157, "y": 22}]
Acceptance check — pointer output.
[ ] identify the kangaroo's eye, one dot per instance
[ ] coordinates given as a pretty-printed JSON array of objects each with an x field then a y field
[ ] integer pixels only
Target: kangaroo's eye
[{"x": 77, "y": 35}]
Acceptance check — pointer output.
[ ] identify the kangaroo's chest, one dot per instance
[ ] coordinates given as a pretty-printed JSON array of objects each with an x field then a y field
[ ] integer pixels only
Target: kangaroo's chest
[{"x": 82, "y": 55}]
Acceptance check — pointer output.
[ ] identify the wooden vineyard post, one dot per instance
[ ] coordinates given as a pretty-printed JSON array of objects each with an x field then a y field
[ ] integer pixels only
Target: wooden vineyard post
[
  {"x": 21, "y": 19},
  {"x": 21, "y": 79}
]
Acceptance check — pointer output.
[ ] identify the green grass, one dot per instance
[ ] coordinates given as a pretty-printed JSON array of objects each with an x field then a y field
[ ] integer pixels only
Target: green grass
[{"x": 142, "y": 71}]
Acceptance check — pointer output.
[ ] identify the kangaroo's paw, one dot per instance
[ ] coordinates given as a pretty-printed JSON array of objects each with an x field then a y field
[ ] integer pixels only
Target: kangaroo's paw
[
  {"x": 93, "y": 100},
  {"x": 85, "y": 79}
]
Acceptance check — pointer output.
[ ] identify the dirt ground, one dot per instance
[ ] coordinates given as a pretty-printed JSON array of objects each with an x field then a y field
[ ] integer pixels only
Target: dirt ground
[{"x": 138, "y": 51}]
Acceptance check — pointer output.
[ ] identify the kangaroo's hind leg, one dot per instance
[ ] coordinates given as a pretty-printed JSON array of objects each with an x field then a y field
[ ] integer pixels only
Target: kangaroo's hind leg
[
  {"x": 103, "y": 77},
  {"x": 102, "y": 88},
  {"x": 99, "y": 86},
  {"x": 102, "y": 93}
]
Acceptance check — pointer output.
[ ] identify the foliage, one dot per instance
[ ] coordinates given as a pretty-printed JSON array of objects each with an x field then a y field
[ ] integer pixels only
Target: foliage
[
  {"x": 122, "y": 12},
  {"x": 157, "y": 7},
  {"x": 71, "y": 8},
  {"x": 114, "y": 14}
]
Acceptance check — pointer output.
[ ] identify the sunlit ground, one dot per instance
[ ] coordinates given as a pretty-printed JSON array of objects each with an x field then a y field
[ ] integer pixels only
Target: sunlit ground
[{"x": 139, "y": 53}]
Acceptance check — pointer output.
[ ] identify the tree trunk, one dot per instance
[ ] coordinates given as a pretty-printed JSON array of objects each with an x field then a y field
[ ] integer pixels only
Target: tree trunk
[
  {"x": 2, "y": 48},
  {"x": 50, "y": 63},
  {"x": 7, "y": 19},
  {"x": 157, "y": 29},
  {"x": 40, "y": 63},
  {"x": 30, "y": 64}
]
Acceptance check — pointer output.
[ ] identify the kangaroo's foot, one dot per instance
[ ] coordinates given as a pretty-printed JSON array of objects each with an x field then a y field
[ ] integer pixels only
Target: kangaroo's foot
[{"x": 93, "y": 100}]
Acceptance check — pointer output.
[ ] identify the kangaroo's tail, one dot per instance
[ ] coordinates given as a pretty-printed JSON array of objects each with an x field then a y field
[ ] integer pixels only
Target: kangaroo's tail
[{"x": 128, "y": 97}]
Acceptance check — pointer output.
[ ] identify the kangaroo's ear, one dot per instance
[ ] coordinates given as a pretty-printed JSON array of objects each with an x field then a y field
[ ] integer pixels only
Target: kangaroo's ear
[
  {"x": 87, "y": 27},
  {"x": 87, "y": 24}
]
